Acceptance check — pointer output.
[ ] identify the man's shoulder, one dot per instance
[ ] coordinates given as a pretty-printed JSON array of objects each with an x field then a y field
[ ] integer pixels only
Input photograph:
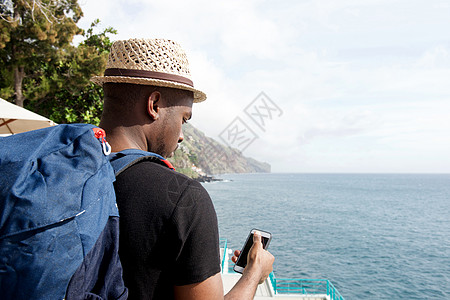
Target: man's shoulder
[{"x": 161, "y": 175}]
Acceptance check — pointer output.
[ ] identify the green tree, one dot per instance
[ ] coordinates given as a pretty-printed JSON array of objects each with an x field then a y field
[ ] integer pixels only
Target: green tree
[
  {"x": 33, "y": 32},
  {"x": 61, "y": 90},
  {"x": 41, "y": 68}
]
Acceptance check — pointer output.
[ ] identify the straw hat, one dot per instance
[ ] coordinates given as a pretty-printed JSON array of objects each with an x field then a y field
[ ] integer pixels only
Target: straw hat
[{"x": 157, "y": 62}]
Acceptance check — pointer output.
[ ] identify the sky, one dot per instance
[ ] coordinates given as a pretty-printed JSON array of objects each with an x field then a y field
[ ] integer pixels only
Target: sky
[{"x": 335, "y": 86}]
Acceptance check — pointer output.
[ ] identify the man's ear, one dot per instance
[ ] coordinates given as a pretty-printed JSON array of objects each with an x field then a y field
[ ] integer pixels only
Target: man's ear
[{"x": 153, "y": 105}]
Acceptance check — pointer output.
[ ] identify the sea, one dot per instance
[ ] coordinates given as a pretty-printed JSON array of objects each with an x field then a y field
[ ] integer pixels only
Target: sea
[{"x": 374, "y": 236}]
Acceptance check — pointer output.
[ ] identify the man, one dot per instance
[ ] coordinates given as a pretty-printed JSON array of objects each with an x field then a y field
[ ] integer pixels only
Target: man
[{"x": 169, "y": 234}]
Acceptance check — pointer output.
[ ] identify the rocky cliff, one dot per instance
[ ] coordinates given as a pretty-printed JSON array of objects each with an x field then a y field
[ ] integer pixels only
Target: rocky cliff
[{"x": 200, "y": 155}]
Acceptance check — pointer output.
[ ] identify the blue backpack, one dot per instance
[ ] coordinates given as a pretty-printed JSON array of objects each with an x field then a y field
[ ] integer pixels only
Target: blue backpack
[{"x": 58, "y": 215}]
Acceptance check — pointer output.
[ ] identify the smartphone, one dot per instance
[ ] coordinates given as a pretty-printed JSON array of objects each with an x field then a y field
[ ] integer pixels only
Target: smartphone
[{"x": 242, "y": 259}]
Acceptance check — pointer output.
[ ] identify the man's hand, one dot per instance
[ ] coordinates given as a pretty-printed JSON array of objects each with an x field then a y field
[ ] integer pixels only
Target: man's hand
[
  {"x": 260, "y": 261},
  {"x": 257, "y": 270}
]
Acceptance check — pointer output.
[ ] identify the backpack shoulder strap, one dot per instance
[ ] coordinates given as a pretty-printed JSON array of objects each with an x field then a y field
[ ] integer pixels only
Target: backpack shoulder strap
[{"x": 122, "y": 160}]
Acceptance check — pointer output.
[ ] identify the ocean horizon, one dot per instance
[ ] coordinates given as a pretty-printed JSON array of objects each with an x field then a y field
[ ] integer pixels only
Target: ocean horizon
[{"x": 373, "y": 235}]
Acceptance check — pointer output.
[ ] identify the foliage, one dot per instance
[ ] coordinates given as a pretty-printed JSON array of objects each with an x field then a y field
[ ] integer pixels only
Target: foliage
[
  {"x": 40, "y": 66},
  {"x": 32, "y": 33},
  {"x": 188, "y": 172},
  {"x": 72, "y": 97}
]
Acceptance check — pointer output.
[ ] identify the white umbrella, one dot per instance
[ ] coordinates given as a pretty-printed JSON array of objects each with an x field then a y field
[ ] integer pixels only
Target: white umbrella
[{"x": 15, "y": 119}]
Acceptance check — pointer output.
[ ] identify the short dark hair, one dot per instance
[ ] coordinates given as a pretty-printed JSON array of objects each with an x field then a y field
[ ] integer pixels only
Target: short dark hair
[{"x": 132, "y": 93}]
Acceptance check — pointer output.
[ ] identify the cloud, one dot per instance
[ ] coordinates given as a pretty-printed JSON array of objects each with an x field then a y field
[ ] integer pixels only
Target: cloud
[
  {"x": 354, "y": 123},
  {"x": 437, "y": 58},
  {"x": 359, "y": 83}
]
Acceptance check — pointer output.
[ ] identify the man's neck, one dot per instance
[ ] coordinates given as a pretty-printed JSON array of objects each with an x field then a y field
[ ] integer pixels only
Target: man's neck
[{"x": 121, "y": 138}]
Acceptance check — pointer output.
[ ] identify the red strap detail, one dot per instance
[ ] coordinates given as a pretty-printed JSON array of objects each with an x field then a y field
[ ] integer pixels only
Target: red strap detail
[
  {"x": 99, "y": 133},
  {"x": 168, "y": 164}
]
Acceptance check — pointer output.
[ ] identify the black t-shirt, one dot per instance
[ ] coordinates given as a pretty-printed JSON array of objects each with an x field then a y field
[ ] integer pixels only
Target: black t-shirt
[{"x": 168, "y": 231}]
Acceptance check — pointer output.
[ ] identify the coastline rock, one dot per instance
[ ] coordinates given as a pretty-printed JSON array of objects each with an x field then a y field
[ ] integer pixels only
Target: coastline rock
[
  {"x": 199, "y": 155},
  {"x": 206, "y": 178}
]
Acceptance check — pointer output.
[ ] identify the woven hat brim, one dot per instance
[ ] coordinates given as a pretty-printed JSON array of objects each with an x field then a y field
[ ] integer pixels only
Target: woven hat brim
[{"x": 199, "y": 96}]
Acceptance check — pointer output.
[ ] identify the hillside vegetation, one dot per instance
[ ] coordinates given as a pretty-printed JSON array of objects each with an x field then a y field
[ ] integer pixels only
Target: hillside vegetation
[{"x": 200, "y": 155}]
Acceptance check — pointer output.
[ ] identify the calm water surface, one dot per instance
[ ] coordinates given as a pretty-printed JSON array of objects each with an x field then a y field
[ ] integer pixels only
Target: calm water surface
[{"x": 374, "y": 236}]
